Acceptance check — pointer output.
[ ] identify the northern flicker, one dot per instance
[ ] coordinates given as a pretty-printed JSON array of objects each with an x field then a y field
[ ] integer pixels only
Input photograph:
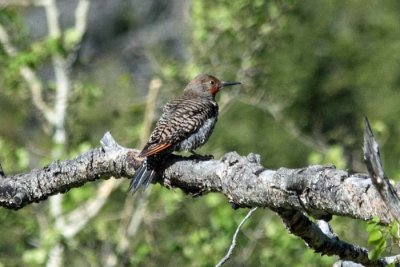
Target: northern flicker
[{"x": 185, "y": 124}]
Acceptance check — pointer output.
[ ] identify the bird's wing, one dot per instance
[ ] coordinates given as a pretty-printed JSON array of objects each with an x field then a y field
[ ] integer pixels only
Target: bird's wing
[
  {"x": 154, "y": 149},
  {"x": 180, "y": 119}
]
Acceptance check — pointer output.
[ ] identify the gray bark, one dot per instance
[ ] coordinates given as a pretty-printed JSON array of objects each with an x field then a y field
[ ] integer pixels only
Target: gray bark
[{"x": 319, "y": 191}]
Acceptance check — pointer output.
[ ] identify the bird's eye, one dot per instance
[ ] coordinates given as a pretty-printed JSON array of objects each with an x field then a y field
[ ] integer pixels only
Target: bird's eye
[{"x": 212, "y": 82}]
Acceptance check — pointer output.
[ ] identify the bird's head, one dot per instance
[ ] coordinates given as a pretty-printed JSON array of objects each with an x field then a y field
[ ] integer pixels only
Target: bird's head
[{"x": 207, "y": 85}]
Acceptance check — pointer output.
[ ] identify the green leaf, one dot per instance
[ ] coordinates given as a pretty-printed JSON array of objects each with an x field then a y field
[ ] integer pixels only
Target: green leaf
[
  {"x": 375, "y": 237},
  {"x": 394, "y": 230},
  {"x": 371, "y": 226},
  {"x": 374, "y": 254},
  {"x": 34, "y": 256},
  {"x": 382, "y": 244}
]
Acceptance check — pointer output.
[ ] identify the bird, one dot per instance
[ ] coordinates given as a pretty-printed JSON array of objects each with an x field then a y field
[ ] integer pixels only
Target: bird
[{"x": 185, "y": 124}]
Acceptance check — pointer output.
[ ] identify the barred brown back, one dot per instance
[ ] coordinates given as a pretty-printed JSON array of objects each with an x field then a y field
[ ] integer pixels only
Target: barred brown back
[{"x": 182, "y": 118}]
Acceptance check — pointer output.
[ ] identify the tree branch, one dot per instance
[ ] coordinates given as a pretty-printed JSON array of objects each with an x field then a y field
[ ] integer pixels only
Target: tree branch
[
  {"x": 317, "y": 190},
  {"x": 381, "y": 182},
  {"x": 320, "y": 237},
  {"x": 20, "y": 190}
]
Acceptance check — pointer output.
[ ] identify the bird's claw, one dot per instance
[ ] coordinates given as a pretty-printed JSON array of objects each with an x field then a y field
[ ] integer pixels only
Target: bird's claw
[
  {"x": 198, "y": 193},
  {"x": 208, "y": 157},
  {"x": 201, "y": 157}
]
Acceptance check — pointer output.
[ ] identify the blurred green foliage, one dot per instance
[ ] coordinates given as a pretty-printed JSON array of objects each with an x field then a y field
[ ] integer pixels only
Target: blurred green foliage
[
  {"x": 380, "y": 236},
  {"x": 310, "y": 71}
]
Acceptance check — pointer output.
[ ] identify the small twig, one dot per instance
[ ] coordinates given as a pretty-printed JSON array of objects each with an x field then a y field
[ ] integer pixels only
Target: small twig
[
  {"x": 257, "y": 233},
  {"x": 55, "y": 257},
  {"x": 81, "y": 17},
  {"x": 60, "y": 73},
  {"x": 136, "y": 219},
  {"x": 77, "y": 219},
  {"x": 375, "y": 168},
  {"x": 233, "y": 244},
  {"x": 30, "y": 77},
  {"x": 81, "y": 21},
  {"x": 154, "y": 89}
]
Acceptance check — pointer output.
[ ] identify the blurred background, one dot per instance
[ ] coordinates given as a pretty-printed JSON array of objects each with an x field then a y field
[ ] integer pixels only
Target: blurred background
[{"x": 72, "y": 70}]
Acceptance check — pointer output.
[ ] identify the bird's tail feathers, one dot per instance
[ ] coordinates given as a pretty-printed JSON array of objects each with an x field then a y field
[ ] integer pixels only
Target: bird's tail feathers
[{"x": 142, "y": 177}]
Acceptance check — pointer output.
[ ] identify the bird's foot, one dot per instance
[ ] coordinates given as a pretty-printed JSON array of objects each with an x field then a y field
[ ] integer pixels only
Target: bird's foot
[
  {"x": 198, "y": 193},
  {"x": 200, "y": 157}
]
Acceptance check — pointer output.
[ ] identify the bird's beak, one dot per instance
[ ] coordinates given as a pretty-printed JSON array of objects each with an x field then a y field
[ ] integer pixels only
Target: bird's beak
[{"x": 225, "y": 84}]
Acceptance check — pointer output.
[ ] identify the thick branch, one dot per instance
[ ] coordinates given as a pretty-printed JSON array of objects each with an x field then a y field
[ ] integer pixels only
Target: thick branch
[
  {"x": 321, "y": 191},
  {"x": 111, "y": 160},
  {"x": 318, "y": 190}
]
